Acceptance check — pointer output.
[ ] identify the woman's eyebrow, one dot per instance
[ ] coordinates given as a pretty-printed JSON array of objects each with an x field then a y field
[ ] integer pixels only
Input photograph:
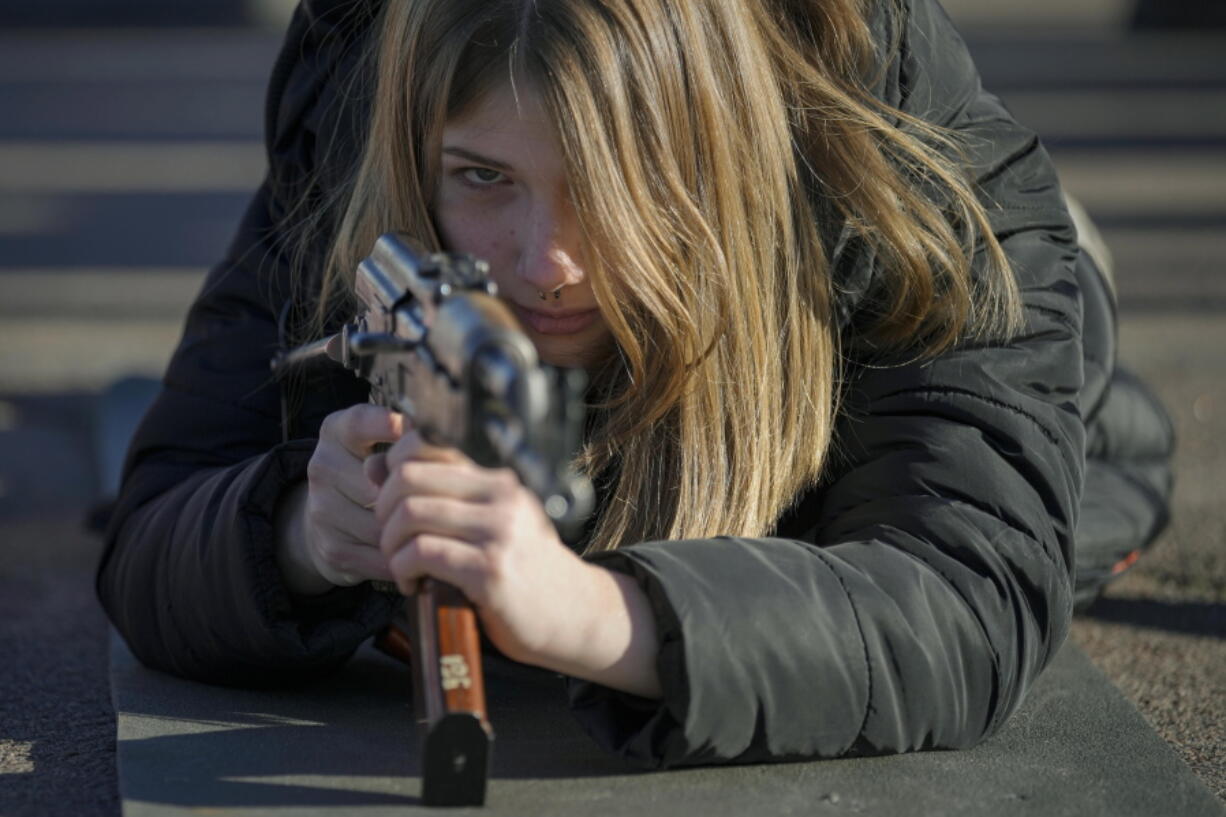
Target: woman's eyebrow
[{"x": 472, "y": 156}]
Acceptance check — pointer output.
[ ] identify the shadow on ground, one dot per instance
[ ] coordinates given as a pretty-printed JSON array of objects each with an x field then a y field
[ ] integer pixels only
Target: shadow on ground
[{"x": 1186, "y": 617}]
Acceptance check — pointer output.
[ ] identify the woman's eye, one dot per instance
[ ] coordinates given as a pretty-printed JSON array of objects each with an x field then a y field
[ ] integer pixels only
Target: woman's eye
[{"x": 481, "y": 176}]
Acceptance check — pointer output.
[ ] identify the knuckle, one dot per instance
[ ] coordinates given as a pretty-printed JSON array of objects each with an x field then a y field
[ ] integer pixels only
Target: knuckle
[
  {"x": 506, "y": 484},
  {"x": 484, "y": 524},
  {"x": 416, "y": 509},
  {"x": 330, "y": 427},
  {"x": 408, "y": 472},
  {"x": 402, "y": 557},
  {"x": 317, "y": 470},
  {"x": 330, "y": 553},
  {"x": 316, "y": 515},
  {"x": 416, "y": 552}
]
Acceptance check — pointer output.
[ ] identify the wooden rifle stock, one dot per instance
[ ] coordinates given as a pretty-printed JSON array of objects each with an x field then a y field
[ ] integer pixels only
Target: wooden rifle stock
[{"x": 437, "y": 635}]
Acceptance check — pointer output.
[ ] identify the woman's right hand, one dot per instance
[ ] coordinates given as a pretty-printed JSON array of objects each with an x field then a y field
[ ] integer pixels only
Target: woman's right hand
[{"x": 327, "y": 534}]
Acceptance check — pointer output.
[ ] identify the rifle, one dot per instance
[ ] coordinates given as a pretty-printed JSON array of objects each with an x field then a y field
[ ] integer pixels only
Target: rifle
[{"x": 435, "y": 343}]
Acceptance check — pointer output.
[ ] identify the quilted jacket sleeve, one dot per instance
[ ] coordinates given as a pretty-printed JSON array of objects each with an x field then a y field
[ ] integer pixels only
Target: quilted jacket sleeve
[
  {"x": 910, "y": 601},
  {"x": 189, "y": 577}
]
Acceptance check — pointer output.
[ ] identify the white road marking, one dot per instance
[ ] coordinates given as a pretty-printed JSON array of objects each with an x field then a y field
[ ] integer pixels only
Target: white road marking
[
  {"x": 100, "y": 292},
  {"x": 1121, "y": 114},
  {"x": 131, "y": 167},
  {"x": 1145, "y": 182},
  {"x": 49, "y": 355}
]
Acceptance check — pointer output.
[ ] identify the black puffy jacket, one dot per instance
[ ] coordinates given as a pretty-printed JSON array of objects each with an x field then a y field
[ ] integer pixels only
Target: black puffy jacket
[{"x": 908, "y": 602}]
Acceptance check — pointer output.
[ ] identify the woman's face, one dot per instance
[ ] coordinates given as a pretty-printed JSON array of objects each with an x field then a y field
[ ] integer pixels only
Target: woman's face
[{"x": 503, "y": 197}]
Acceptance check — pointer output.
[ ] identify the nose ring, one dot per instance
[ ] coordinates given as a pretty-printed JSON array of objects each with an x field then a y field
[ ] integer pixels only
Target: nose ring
[{"x": 557, "y": 294}]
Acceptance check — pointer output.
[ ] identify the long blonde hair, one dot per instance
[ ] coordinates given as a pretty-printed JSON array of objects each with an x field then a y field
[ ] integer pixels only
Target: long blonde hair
[{"x": 712, "y": 146}]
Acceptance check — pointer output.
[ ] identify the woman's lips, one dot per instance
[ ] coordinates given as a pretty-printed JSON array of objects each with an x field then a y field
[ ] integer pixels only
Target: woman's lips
[{"x": 559, "y": 323}]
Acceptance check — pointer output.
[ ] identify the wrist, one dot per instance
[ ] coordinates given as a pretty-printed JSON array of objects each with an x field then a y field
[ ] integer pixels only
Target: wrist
[
  {"x": 292, "y": 549},
  {"x": 612, "y": 636}
]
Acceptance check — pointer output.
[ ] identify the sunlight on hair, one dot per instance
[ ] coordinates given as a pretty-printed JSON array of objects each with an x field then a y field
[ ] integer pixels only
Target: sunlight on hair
[{"x": 715, "y": 152}]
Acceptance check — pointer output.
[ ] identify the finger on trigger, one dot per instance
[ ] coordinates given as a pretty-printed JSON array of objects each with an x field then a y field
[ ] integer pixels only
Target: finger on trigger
[{"x": 364, "y": 426}]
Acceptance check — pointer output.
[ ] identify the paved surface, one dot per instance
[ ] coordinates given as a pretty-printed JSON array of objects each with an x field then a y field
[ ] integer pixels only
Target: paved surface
[
  {"x": 1075, "y": 748},
  {"x": 1135, "y": 124}
]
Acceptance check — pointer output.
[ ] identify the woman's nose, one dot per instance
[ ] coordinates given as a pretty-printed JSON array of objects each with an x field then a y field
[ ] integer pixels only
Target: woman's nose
[{"x": 550, "y": 256}]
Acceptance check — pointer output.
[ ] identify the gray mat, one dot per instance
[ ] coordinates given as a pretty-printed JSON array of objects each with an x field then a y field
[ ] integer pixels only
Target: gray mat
[{"x": 347, "y": 746}]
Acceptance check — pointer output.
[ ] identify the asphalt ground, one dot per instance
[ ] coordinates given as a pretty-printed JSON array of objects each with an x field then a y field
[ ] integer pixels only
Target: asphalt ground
[{"x": 126, "y": 158}]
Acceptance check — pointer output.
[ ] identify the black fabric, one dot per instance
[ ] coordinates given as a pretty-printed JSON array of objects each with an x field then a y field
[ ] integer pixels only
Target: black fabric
[
  {"x": 1128, "y": 484},
  {"x": 907, "y": 602},
  {"x": 189, "y": 576}
]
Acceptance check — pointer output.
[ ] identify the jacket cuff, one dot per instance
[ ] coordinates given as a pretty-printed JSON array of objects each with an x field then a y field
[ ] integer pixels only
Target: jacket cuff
[
  {"x": 329, "y": 624},
  {"x": 642, "y": 730}
]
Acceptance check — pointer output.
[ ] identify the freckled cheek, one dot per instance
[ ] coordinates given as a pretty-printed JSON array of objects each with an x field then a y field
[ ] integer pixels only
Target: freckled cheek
[
  {"x": 500, "y": 250},
  {"x": 484, "y": 238}
]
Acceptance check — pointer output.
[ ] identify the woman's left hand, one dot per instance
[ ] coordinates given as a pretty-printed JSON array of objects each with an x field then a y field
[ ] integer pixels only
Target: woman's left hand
[{"x": 481, "y": 530}]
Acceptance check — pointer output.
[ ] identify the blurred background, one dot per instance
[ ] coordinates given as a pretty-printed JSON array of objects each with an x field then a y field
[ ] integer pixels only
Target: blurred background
[{"x": 130, "y": 140}]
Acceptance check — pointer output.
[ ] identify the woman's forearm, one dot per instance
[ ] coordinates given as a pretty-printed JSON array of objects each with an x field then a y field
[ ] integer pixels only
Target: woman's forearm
[{"x": 613, "y": 640}]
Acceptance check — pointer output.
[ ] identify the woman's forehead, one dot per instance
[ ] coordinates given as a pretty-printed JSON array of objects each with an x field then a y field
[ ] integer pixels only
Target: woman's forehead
[
  {"x": 503, "y": 102},
  {"x": 504, "y": 118}
]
